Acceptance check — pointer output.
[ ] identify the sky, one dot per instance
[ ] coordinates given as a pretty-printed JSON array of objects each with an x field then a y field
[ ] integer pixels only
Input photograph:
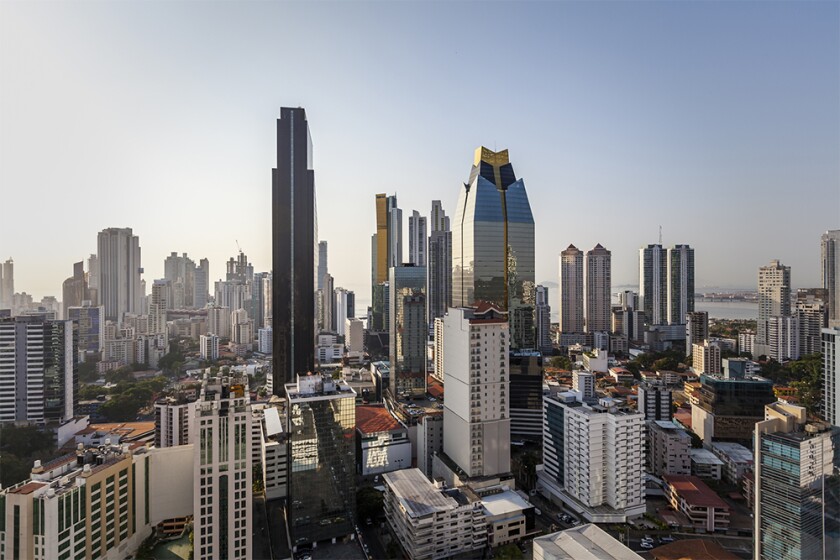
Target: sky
[{"x": 718, "y": 121}]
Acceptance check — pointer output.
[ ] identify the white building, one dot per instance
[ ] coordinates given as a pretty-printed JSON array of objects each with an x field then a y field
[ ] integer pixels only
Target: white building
[
  {"x": 265, "y": 344},
  {"x": 705, "y": 464},
  {"x": 223, "y": 469},
  {"x": 585, "y": 542},
  {"x": 737, "y": 460},
  {"x": 706, "y": 358},
  {"x": 667, "y": 448},
  {"x": 596, "y": 359},
  {"x": 584, "y": 383},
  {"x": 746, "y": 342},
  {"x": 274, "y": 450},
  {"x": 595, "y": 462},
  {"x": 476, "y": 345},
  {"x": 340, "y": 310},
  {"x": 218, "y": 321},
  {"x": 417, "y": 239},
  {"x": 174, "y": 422},
  {"x": 354, "y": 335},
  {"x": 783, "y": 338},
  {"x": 506, "y": 515},
  {"x": 119, "y": 284},
  {"x": 830, "y": 407},
  {"x": 383, "y": 441},
  {"x": 209, "y": 346},
  {"x": 773, "y": 301},
  {"x": 161, "y": 300},
  {"x": 430, "y": 522}
]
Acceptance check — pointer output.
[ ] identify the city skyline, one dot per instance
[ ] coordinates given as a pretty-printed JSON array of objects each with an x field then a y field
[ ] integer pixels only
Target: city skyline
[{"x": 683, "y": 129}]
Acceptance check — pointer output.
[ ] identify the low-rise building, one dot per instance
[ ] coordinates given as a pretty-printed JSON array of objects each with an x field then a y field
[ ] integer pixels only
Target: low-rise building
[
  {"x": 585, "y": 542},
  {"x": 509, "y": 517},
  {"x": 705, "y": 464},
  {"x": 382, "y": 443},
  {"x": 621, "y": 375},
  {"x": 274, "y": 451},
  {"x": 429, "y": 521},
  {"x": 737, "y": 460},
  {"x": 667, "y": 448},
  {"x": 690, "y": 496}
]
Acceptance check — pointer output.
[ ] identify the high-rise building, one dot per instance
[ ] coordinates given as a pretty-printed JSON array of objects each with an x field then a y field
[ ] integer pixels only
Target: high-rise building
[
  {"x": 417, "y": 239},
  {"x": 706, "y": 358},
  {"x": 321, "y": 423},
  {"x": 571, "y": 291},
  {"x": 526, "y": 386},
  {"x": 294, "y": 246},
  {"x": 655, "y": 402},
  {"x": 341, "y": 309},
  {"x": 324, "y": 303},
  {"x": 408, "y": 331},
  {"x": 91, "y": 322},
  {"x": 265, "y": 340},
  {"x": 493, "y": 239},
  {"x": 209, "y": 346},
  {"x": 256, "y": 310},
  {"x": 120, "y": 289},
  {"x": 322, "y": 264},
  {"x": 395, "y": 236},
  {"x": 594, "y": 456},
  {"x": 727, "y": 408},
  {"x": 74, "y": 290},
  {"x": 680, "y": 283},
  {"x": 93, "y": 278},
  {"x": 795, "y": 506},
  {"x": 812, "y": 313},
  {"x": 218, "y": 321},
  {"x": 39, "y": 374},
  {"x": 696, "y": 329},
  {"x": 653, "y": 284},
  {"x": 476, "y": 345},
  {"x": 667, "y": 448},
  {"x": 160, "y": 302},
  {"x": 223, "y": 470},
  {"x": 773, "y": 300},
  {"x": 7, "y": 284},
  {"x": 783, "y": 334},
  {"x": 542, "y": 319},
  {"x": 830, "y": 406},
  {"x": 202, "y": 284},
  {"x": 830, "y": 261},
  {"x": 598, "y": 279},
  {"x": 181, "y": 272},
  {"x": 175, "y": 422},
  {"x": 440, "y": 263},
  {"x": 385, "y": 243}
]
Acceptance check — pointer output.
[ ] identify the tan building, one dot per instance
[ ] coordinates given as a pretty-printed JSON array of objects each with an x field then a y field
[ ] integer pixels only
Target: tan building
[{"x": 689, "y": 495}]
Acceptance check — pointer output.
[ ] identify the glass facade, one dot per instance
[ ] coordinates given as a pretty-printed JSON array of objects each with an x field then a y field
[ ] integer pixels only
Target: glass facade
[
  {"x": 61, "y": 370},
  {"x": 322, "y": 488},
  {"x": 493, "y": 238},
  {"x": 680, "y": 283},
  {"x": 653, "y": 284},
  {"x": 410, "y": 330}
]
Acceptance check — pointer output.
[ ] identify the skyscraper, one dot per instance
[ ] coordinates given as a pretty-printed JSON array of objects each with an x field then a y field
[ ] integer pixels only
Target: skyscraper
[
  {"x": 120, "y": 288},
  {"x": 293, "y": 253},
  {"x": 7, "y": 283},
  {"x": 598, "y": 270},
  {"x": 181, "y": 272},
  {"x": 385, "y": 244},
  {"x": 91, "y": 321},
  {"x": 74, "y": 290},
  {"x": 571, "y": 290},
  {"x": 696, "y": 329},
  {"x": 773, "y": 300},
  {"x": 161, "y": 292},
  {"x": 542, "y": 319},
  {"x": 680, "y": 283},
  {"x": 653, "y": 284},
  {"x": 202, "y": 284},
  {"x": 795, "y": 504},
  {"x": 830, "y": 261},
  {"x": 440, "y": 263},
  {"x": 830, "y": 406},
  {"x": 417, "y": 239},
  {"x": 493, "y": 238},
  {"x": 408, "y": 330},
  {"x": 322, "y": 264}
]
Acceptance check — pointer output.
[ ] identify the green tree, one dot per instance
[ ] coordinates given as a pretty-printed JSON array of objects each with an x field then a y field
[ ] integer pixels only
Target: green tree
[
  {"x": 87, "y": 372},
  {"x": 369, "y": 503},
  {"x": 508, "y": 552},
  {"x": 88, "y": 392},
  {"x": 561, "y": 362},
  {"x": 20, "y": 446}
]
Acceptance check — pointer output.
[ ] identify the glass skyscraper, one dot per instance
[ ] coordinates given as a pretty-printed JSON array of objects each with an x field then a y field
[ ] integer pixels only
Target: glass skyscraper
[
  {"x": 493, "y": 241},
  {"x": 294, "y": 247}
]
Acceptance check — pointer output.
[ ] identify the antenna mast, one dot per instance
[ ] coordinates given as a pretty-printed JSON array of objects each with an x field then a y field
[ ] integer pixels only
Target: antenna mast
[{"x": 660, "y": 235}]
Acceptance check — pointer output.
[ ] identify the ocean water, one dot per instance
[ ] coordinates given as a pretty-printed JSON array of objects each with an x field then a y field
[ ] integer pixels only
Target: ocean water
[{"x": 728, "y": 309}]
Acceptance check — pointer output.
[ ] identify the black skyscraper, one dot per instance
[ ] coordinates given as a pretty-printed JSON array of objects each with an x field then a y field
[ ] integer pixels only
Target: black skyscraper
[{"x": 294, "y": 249}]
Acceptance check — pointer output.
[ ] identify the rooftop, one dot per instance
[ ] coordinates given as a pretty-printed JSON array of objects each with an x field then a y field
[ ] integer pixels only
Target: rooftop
[
  {"x": 504, "y": 502},
  {"x": 586, "y": 542},
  {"x": 692, "y": 549},
  {"x": 28, "y": 488},
  {"x": 734, "y": 451},
  {"x": 704, "y": 457},
  {"x": 694, "y": 491},
  {"x": 375, "y": 419},
  {"x": 126, "y": 430},
  {"x": 417, "y": 494}
]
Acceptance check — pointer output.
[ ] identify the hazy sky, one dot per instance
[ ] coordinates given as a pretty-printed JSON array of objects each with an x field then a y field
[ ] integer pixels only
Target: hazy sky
[{"x": 718, "y": 121}]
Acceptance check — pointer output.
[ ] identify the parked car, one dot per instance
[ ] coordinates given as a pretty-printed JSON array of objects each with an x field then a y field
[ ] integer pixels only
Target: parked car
[
  {"x": 646, "y": 544},
  {"x": 666, "y": 539}
]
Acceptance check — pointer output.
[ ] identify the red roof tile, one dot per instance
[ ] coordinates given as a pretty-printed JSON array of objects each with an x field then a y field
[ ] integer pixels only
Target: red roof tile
[
  {"x": 28, "y": 488},
  {"x": 692, "y": 549},
  {"x": 694, "y": 491},
  {"x": 375, "y": 419}
]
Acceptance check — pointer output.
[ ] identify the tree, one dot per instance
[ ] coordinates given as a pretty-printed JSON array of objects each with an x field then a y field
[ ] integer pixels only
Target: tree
[
  {"x": 369, "y": 503},
  {"x": 561, "y": 362},
  {"x": 20, "y": 446},
  {"x": 508, "y": 552},
  {"x": 87, "y": 372},
  {"x": 88, "y": 392}
]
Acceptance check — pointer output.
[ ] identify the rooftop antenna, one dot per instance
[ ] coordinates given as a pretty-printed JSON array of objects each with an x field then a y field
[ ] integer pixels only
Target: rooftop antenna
[
  {"x": 660, "y": 235},
  {"x": 238, "y": 248}
]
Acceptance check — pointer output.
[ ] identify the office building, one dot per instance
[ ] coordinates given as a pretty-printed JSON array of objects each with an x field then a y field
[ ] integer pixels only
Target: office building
[
  {"x": 209, "y": 346},
  {"x": 440, "y": 263},
  {"x": 653, "y": 284},
  {"x": 830, "y": 406},
  {"x": 322, "y": 490},
  {"x": 727, "y": 409},
  {"x": 584, "y": 542},
  {"x": 91, "y": 322},
  {"x": 680, "y": 283},
  {"x": 223, "y": 469},
  {"x": 795, "y": 511},
  {"x": 408, "y": 331},
  {"x": 430, "y": 521},
  {"x": 39, "y": 377},
  {"x": 526, "y": 386},
  {"x": 812, "y": 313},
  {"x": 120, "y": 289},
  {"x": 598, "y": 275},
  {"x": 493, "y": 242},
  {"x": 830, "y": 268},
  {"x": 706, "y": 358},
  {"x": 593, "y": 457},
  {"x": 542, "y": 320},
  {"x": 668, "y": 448},
  {"x": 322, "y": 264},
  {"x": 696, "y": 329},
  {"x": 476, "y": 345},
  {"x": 293, "y": 253},
  {"x": 7, "y": 284},
  {"x": 773, "y": 301},
  {"x": 383, "y": 444},
  {"x": 417, "y": 239},
  {"x": 655, "y": 401},
  {"x": 571, "y": 291},
  {"x": 689, "y": 495}
]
